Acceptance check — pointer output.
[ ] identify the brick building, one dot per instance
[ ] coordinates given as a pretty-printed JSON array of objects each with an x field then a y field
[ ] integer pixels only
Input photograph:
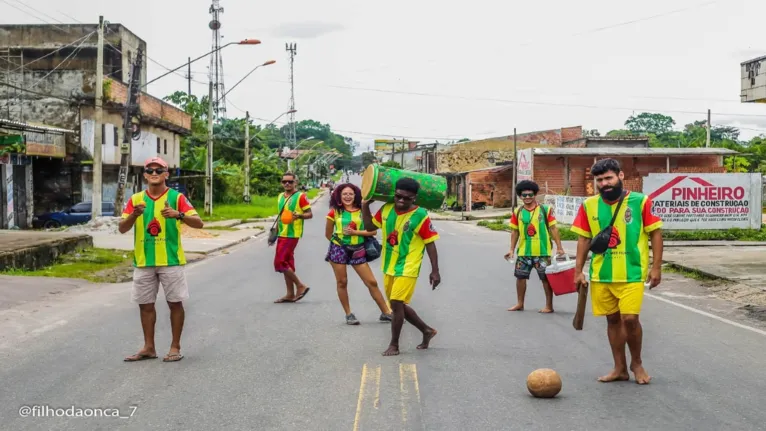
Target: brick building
[
  {"x": 563, "y": 166},
  {"x": 53, "y": 70},
  {"x": 567, "y": 170}
]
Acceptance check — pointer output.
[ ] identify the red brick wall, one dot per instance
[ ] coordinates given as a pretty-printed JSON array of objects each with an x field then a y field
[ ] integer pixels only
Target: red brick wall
[
  {"x": 151, "y": 106},
  {"x": 550, "y": 171},
  {"x": 571, "y": 133},
  {"x": 496, "y": 189}
]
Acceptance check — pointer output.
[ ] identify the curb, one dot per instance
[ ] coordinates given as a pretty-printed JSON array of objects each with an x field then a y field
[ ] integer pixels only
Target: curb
[
  {"x": 224, "y": 247},
  {"x": 274, "y": 217},
  {"x": 705, "y": 273}
]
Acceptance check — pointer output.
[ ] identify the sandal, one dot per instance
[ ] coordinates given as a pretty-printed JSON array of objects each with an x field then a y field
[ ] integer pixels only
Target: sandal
[
  {"x": 299, "y": 297},
  {"x": 283, "y": 300},
  {"x": 139, "y": 357},
  {"x": 175, "y": 357}
]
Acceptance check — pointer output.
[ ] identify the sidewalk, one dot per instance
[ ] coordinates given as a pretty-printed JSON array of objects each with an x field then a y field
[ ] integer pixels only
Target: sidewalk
[
  {"x": 738, "y": 262},
  {"x": 222, "y": 239}
]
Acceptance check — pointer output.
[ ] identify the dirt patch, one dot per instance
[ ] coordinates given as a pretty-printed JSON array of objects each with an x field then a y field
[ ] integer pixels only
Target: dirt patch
[
  {"x": 739, "y": 293},
  {"x": 118, "y": 274},
  {"x": 188, "y": 232}
]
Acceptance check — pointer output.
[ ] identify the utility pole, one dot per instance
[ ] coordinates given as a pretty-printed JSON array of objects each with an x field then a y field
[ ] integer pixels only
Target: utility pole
[
  {"x": 515, "y": 167},
  {"x": 131, "y": 128},
  {"x": 404, "y": 145},
  {"x": 188, "y": 77},
  {"x": 292, "y": 48},
  {"x": 707, "y": 143},
  {"x": 246, "y": 193},
  {"x": 98, "y": 140},
  {"x": 209, "y": 164}
]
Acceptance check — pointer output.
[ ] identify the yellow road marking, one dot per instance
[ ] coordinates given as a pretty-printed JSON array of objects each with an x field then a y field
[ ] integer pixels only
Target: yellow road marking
[{"x": 369, "y": 376}]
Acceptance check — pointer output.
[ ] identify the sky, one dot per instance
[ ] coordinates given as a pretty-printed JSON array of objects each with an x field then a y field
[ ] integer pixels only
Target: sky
[{"x": 427, "y": 71}]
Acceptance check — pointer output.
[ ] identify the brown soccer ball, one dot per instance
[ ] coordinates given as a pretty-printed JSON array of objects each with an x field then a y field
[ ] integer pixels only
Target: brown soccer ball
[{"x": 544, "y": 383}]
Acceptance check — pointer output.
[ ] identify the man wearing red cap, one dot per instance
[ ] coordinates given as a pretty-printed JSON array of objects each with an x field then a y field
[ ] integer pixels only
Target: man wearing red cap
[{"x": 157, "y": 214}]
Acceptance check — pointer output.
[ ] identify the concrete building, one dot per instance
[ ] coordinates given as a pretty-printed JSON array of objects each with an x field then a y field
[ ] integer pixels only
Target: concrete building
[
  {"x": 19, "y": 144},
  {"x": 421, "y": 158},
  {"x": 52, "y": 70},
  {"x": 486, "y": 153}
]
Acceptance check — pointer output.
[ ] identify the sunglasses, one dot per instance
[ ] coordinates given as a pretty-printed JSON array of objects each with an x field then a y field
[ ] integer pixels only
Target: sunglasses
[
  {"x": 527, "y": 195},
  {"x": 152, "y": 171},
  {"x": 287, "y": 181},
  {"x": 399, "y": 197}
]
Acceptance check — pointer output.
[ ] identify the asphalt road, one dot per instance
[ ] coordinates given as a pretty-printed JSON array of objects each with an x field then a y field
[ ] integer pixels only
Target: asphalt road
[{"x": 252, "y": 364}]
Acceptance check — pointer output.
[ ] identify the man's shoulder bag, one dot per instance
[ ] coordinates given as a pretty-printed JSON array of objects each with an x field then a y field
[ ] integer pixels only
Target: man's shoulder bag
[
  {"x": 600, "y": 243},
  {"x": 273, "y": 231}
]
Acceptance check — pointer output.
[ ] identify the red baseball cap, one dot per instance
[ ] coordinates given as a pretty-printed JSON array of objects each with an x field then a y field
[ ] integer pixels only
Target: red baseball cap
[{"x": 155, "y": 161}]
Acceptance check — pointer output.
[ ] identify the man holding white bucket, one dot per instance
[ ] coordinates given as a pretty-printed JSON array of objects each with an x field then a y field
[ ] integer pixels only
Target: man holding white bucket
[{"x": 532, "y": 227}]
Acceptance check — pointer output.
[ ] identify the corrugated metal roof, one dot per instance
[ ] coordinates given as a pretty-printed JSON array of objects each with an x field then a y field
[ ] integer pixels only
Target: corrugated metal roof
[
  {"x": 611, "y": 151},
  {"x": 19, "y": 124},
  {"x": 493, "y": 169}
]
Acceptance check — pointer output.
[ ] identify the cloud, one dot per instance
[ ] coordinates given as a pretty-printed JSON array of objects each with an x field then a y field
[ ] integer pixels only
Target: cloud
[{"x": 307, "y": 29}]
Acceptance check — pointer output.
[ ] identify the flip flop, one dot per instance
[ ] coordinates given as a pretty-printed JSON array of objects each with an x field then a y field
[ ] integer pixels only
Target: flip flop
[
  {"x": 283, "y": 300},
  {"x": 302, "y": 294},
  {"x": 178, "y": 357},
  {"x": 139, "y": 357}
]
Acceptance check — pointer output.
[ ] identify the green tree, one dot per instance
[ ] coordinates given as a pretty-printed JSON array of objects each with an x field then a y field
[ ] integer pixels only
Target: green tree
[
  {"x": 391, "y": 164},
  {"x": 647, "y": 122}
]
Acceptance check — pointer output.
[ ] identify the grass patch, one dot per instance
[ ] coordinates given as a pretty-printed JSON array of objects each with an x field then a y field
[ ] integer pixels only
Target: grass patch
[
  {"x": 93, "y": 264},
  {"x": 230, "y": 229},
  {"x": 259, "y": 207},
  {"x": 688, "y": 273},
  {"x": 502, "y": 225}
]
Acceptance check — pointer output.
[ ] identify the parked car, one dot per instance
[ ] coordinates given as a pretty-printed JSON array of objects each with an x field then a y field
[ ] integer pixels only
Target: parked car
[{"x": 78, "y": 214}]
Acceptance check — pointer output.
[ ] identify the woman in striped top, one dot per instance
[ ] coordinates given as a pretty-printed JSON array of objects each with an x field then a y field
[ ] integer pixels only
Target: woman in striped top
[{"x": 346, "y": 232}]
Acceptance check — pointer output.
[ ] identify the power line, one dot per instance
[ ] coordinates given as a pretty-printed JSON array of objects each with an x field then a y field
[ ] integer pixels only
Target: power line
[
  {"x": 150, "y": 58},
  {"x": 33, "y": 15},
  {"x": 528, "y": 102},
  {"x": 70, "y": 17},
  {"x": 378, "y": 134},
  {"x": 72, "y": 54},
  {"x": 628, "y": 96},
  {"x": 41, "y": 12},
  {"x": 582, "y": 33}
]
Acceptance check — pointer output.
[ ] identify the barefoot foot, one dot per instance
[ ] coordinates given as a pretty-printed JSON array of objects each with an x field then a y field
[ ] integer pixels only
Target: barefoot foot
[
  {"x": 517, "y": 307},
  {"x": 391, "y": 351},
  {"x": 615, "y": 376},
  {"x": 546, "y": 310},
  {"x": 427, "y": 336},
  {"x": 642, "y": 377}
]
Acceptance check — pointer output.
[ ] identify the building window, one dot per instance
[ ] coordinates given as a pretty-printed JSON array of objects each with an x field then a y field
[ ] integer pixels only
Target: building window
[
  {"x": 158, "y": 146},
  {"x": 103, "y": 133},
  {"x": 166, "y": 146},
  {"x": 116, "y": 138}
]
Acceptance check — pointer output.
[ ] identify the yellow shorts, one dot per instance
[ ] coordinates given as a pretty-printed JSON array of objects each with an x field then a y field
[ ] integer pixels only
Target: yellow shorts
[
  {"x": 609, "y": 298},
  {"x": 399, "y": 288}
]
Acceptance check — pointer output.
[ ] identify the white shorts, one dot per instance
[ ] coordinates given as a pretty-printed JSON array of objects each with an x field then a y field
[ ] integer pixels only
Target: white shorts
[{"x": 146, "y": 284}]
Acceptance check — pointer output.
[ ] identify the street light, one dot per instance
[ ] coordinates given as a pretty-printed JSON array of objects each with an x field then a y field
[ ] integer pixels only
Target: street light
[{"x": 242, "y": 42}]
